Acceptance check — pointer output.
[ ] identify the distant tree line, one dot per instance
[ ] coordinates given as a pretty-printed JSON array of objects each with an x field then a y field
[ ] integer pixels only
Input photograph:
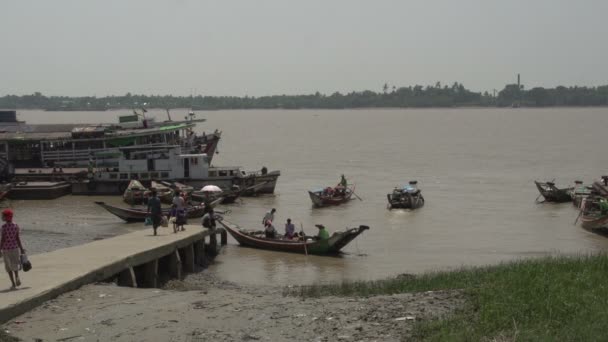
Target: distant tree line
[{"x": 455, "y": 95}]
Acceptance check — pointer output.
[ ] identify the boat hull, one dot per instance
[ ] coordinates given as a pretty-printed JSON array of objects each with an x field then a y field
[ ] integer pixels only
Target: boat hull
[
  {"x": 333, "y": 245},
  {"x": 414, "y": 202},
  {"x": 227, "y": 198},
  {"x": 318, "y": 200},
  {"x": 553, "y": 194},
  {"x": 594, "y": 222},
  {"x": 39, "y": 190},
  {"x": 140, "y": 214}
]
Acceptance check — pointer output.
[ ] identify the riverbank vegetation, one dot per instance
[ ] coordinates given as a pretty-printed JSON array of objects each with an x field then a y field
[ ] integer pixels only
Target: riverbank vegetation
[
  {"x": 438, "y": 95},
  {"x": 547, "y": 299}
]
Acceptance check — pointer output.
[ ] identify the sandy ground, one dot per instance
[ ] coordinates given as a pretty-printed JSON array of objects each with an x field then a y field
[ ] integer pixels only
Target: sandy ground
[{"x": 201, "y": 309}]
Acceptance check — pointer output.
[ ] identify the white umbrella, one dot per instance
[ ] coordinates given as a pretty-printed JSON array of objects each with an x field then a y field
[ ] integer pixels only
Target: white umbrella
[{"x": 211, "y": 188}]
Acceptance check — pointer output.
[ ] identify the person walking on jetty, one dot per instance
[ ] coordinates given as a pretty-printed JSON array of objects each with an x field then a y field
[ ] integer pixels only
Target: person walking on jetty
[
  {"x": 180, "y": 210},
  {"x": 155, "y": 211},
  {"x": 11, "y": 247}
]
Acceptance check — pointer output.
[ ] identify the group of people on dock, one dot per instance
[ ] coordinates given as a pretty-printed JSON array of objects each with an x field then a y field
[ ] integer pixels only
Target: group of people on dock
[
  {"x": 177, "y": 215},
  {"x": 270, "y": 231}
]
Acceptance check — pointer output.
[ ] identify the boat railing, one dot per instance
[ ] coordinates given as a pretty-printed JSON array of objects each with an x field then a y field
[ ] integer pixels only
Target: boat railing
[
  {"x": 66, "y": 155},
  {"x": 79, "y": 154}
]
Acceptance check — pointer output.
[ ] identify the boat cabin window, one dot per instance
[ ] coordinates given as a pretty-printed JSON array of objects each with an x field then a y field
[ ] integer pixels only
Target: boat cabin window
[
  {"x": 124, "y": 176},
  {"x": 223, "y": 173},
  {"x": 164, "y": 174},
  {"x": 154, "y": 175},
  {"x": 134, "y": 176},
  {"x": 144, "y": 176},
  {"x": 113, "y": 176},
  {"x": 212, "y": 174}
]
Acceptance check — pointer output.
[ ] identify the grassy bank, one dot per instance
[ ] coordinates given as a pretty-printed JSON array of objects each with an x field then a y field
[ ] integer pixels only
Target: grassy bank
[{"x": 549, "y": 299}]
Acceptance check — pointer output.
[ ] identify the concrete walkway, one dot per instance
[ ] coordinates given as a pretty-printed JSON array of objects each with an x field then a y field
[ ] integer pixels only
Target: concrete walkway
[{"x": 67, "y": 269}]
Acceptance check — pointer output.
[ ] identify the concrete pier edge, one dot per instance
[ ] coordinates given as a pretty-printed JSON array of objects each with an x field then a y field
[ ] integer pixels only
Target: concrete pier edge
[{"x": 15, "y": 303}]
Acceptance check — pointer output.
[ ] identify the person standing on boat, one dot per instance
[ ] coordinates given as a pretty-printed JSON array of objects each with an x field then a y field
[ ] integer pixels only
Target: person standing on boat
[
  {"x": 269, "y": 216},
  {"x": 269, "y": 230},
  {"x": 290, "y": 229},
  {"x": 155, "y": 210},
  {"x": 323, "y": 233},
  {"x": 11, "y": 247},
  {"x": 343, "y": 181},
  {"x": 180, "y": 210}
]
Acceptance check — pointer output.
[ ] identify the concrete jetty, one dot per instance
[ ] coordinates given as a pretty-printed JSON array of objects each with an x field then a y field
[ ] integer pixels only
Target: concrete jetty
[{"x": 137, "y": 259}]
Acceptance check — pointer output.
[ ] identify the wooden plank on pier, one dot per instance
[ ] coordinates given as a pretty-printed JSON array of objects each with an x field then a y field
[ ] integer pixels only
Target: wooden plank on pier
[{"x": 67, "y": 269}]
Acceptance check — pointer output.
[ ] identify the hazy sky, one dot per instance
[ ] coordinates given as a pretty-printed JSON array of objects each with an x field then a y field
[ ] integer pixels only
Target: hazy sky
[{"x": 261, "y": 47}]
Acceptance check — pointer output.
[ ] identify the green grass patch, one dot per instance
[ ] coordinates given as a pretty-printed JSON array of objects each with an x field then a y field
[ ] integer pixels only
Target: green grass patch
[{"x": 548, "y": 299}]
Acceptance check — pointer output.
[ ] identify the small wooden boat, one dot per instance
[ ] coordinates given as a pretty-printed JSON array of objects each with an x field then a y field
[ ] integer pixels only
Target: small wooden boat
[
  {"x": 135, "y": 193},
  {"x": 553, "y": 194},
  {"x": 579, "y": 193},
  {"x": 186, "y": 190},
  {"x": 256, "y": 239},
  {"x": 331, "y": 196},
  {"x": 164, "y": 193},
  {"x": 140, "y": 214},
  {"x": 406, "y": 197},
  {"x": 594, "y": 213},
  {"x": 227, "y": 197}
]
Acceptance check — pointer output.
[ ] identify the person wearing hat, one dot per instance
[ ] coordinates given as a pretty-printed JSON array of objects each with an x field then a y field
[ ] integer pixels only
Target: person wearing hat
[
  {"x": 11, "y": 247},
  {"x": 323, "y": 233}
]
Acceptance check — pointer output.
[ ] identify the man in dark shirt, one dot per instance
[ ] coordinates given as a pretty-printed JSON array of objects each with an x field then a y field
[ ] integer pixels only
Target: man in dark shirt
[{"x": 155, "y": 211}]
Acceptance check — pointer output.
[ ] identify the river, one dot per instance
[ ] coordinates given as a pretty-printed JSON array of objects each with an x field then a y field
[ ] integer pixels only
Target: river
[{"x": 475, "y": 167}]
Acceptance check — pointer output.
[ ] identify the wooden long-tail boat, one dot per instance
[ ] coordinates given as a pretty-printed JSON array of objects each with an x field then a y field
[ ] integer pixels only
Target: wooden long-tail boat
[
  {"x": 579, "y": 193},
  {"x": 406, "y": 197},
  {"x": 164, "y": 193},
  {"x": 331, "y": 196},
  {"x": 551, "y": 193},
  {"x": 140, "y": 214},
  {"x": 228, "y": 197},
  {"x": 134, "y": 193},
  {"x": 256, "y": 239},
  {"x": 594, "y": 213}
]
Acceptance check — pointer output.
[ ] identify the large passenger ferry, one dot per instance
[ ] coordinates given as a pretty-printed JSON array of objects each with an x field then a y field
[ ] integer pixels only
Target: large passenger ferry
[
  {"x": 46, "y": 146},
  {"x": 170, "y": 163}
]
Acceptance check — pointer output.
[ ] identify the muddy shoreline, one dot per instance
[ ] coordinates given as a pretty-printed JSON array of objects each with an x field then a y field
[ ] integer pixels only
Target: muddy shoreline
[{"x": 200, "y": 308}]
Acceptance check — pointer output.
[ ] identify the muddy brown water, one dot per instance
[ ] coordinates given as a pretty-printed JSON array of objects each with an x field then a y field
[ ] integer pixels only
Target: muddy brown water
[{"x": 475, "y": 167}]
